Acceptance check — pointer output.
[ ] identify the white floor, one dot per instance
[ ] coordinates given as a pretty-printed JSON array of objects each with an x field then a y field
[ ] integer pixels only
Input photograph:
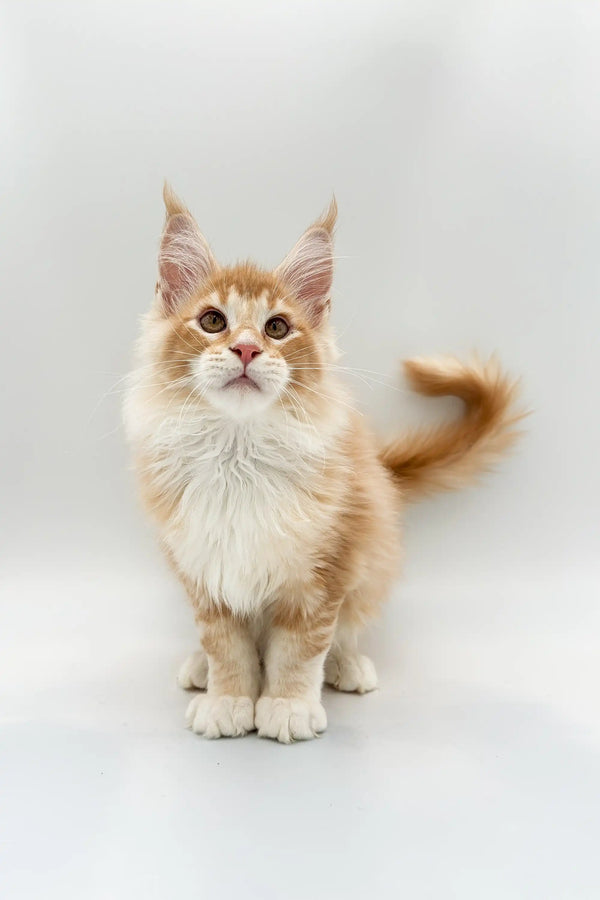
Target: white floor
[{"x": 472, "y": 773}]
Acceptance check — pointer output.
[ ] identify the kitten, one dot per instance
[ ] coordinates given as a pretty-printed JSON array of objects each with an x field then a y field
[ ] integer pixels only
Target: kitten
[{"x": 276, "y": 506}]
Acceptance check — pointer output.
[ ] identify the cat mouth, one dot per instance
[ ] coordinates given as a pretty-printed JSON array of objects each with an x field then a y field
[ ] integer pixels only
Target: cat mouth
[{"x": 243, "y": 381}]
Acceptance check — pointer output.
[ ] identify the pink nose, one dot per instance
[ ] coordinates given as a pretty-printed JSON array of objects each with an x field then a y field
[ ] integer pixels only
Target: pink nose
[{"x": 246, "y": 352}]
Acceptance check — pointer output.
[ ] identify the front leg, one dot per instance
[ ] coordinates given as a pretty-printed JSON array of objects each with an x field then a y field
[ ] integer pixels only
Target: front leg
[
  {"x": 290, "y": 707},
  {"x": 227, "y": 708}
]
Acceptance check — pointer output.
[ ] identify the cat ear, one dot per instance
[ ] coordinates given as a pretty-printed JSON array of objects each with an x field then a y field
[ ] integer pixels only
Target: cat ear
[
  {"x": 185, "y": 262},
  {"x": 307, "y": 270}
]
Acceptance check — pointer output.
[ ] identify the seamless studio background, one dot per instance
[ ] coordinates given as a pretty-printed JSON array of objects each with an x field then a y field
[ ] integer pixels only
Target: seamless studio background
[{"x": 462, "y": 141}]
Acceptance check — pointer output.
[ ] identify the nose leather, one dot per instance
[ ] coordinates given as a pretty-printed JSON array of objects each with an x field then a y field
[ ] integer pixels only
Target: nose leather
[{"x": 246, "y": 352}]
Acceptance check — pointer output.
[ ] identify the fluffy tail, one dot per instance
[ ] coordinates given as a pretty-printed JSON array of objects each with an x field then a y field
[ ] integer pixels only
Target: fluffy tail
[{"x": 450, "y": 455}]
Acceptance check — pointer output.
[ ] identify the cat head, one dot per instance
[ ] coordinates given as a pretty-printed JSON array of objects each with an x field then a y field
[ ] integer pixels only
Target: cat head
[{"x": 240, "y": 339}]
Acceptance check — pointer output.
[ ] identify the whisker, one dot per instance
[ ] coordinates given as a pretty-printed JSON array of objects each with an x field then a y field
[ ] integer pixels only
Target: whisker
[{"x": 327, "y": 396}]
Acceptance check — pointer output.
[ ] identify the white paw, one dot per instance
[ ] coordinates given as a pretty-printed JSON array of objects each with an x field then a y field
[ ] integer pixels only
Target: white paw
[
  {"x": 350, "y": 672},
  {"x": 194, "y": 672},
  {"x": 216, "y": 717},
  {"x": 289, "y": 720}
]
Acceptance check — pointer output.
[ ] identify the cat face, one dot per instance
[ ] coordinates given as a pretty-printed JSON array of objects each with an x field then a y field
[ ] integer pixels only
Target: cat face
[
  {"x": 246, "y": 343},
  {"x": 239, "y": 339}
]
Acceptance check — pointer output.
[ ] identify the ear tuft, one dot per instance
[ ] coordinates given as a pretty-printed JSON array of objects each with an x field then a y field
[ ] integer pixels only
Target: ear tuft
[
  {"x": 329, "y": 217},
  {"x": 307, "y": 270},
  {"x": 185, "y": 262},
  {"x": 173, "y": 204}
]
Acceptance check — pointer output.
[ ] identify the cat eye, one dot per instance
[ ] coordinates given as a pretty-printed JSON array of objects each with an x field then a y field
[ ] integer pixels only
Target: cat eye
[
  {"x": 213, "y": 321},
  {"x": 276, "y": 328}
]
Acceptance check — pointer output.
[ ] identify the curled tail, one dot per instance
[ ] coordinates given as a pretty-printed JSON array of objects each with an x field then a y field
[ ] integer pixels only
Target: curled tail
[{"x": 450, "y": 455}]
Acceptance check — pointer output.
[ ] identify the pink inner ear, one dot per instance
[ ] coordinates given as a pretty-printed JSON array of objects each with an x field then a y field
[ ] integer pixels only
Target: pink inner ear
[
  {"x": 308, "y": 270},
  {"x": 172, "y": 276},
  {"x": 185, "y": 260},
  {"x": 316, "y": 285}
]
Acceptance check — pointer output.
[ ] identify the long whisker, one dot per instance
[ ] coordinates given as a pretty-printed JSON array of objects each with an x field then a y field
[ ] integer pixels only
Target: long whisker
[
  {"x": 113, "y": 390},
  {"x": 367, "y": 379},
  {"x": 330, "y": 397}
]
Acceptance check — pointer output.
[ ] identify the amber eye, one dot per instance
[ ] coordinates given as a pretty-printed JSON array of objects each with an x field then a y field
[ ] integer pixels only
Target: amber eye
[
  {"x": 212, "y": 321},
  {"x": 276, "y": 328}
]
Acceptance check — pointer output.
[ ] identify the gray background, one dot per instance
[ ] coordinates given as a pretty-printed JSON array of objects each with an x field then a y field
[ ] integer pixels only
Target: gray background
[{"x": 462, "y": 140}]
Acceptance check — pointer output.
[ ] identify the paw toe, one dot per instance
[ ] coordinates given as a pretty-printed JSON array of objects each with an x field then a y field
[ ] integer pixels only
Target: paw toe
[
  {"x": 352, "y": 673},
  {"x": 216, "y": 717},
  {"x": 288, "y": 719}
]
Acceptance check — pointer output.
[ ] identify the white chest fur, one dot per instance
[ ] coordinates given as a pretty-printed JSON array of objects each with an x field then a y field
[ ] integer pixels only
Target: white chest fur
[{"x": 247, "y": 519}]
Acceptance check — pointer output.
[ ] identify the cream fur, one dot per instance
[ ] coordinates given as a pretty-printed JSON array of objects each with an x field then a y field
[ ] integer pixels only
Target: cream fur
[{"x": 275, "y": 505}]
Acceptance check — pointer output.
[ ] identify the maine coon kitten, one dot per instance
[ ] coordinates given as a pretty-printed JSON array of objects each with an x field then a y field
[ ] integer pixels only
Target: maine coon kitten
[{"x": 276, "y": 506}]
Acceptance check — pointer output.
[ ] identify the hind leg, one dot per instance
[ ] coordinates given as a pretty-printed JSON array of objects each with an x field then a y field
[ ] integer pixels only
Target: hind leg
[
  {"x": 345, "y": 668},
  {"x": 194, "y": 671}
]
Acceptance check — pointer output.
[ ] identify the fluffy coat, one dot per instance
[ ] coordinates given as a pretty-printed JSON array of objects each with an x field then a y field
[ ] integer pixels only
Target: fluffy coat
[{"x": 277, "y": 508}]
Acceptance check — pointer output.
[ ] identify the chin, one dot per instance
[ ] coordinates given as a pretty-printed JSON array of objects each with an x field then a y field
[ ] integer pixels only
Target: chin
[{"x": 240, "y": 401}]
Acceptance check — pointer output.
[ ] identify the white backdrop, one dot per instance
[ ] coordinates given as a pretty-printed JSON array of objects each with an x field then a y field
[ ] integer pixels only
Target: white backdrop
[{"x": 462, "y": 141}]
